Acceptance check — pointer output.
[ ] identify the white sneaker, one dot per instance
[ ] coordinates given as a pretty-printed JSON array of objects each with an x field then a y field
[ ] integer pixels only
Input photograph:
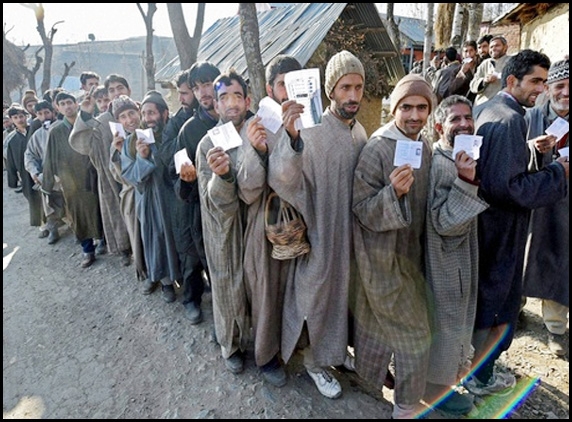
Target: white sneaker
[
  {"x": 327, "y": 385},
  {"x": 499, "y": 384}
]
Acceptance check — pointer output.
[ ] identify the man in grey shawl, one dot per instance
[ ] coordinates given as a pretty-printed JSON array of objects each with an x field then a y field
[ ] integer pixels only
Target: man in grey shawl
[
  {"x": 452, "y": 257},
  {"x": 389, "y": 203},
  {"x": 264, "y": 276},
  {"x": 91, "y": 136},
  {"x": 313, "y": 170},
  {"x": 546, "y": 271},
  {"x": 223, "y": 218}
]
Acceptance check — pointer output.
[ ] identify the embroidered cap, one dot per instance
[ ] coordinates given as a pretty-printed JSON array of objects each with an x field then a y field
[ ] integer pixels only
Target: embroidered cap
[{"x": 558, "y": 71}]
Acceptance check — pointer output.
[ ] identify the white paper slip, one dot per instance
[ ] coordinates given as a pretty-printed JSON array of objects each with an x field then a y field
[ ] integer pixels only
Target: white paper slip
[
  {"x": 408, "y": 152},
  {"x": 225, "y": 136},
  {"x": 146, "y": 135},
  {"x": 270, "y": 113},
  {"x": 303, "y": 86},
  {"x": 558, "y": 128},
  {"x": 117, "y": 128},
  {"x": 563, "y": 152},
  {"x": 471, "y": 144},
  {"x": 181, "y": 157}
]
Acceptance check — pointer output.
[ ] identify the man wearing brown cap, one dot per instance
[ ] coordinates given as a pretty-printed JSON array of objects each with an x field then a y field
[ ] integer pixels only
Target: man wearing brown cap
[
  {"x": 546, "y": 274},
  {"x": 389, "y": 202},
  {"x": 313, "y": 170}
]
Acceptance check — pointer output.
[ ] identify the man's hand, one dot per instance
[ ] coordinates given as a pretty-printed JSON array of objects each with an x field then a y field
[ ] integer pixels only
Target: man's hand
[
  {"x": 466, "y": 166},
  {"x": 219, "y": 161},
  {"x": 117, "y": 141},
  {"x": 88, "y": 103},
  {"x": 143, "y": 148},
  {"x": 256, "y": 134},
  {"x": 544, "y": 143},
  {"x": 291, "y": 111},
  {"x": 188, "y": 172},
  {"x": 402, "y": 179}
]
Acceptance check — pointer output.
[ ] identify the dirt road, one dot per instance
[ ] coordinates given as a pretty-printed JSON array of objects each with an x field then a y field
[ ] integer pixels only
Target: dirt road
[{"x": 84, "y": 343}]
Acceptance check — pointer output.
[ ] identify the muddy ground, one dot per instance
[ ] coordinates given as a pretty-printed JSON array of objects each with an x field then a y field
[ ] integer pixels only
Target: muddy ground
[{"x": 85, "y": 343}]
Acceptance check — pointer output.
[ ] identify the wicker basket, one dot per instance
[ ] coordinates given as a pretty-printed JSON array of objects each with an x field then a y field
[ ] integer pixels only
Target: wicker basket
[{"x": 285, "y": 229}]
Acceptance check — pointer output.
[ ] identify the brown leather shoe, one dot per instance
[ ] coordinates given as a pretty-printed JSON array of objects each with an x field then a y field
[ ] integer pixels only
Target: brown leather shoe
[{"x": 88, "y": 260}]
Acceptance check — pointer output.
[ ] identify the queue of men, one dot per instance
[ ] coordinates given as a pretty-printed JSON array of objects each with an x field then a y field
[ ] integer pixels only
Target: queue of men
[{"x": 414, "y": 272}]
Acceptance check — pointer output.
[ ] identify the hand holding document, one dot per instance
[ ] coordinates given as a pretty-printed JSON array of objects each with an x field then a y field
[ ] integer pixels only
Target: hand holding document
[
  {"x": 270, "y": 113},
  {"x": 558, "y": 128},
  {"x": 117, "y": 128},
  {"x": 181, "y": 157},
  {"x": 146, "y": 135},
  {"x": 408, "y": 152},
  {"x": 303, "y": 86},
  {"x": 225, "y": 136},
  {"x": 471, "y": 144},
  {"x": 564, "y": 152}
]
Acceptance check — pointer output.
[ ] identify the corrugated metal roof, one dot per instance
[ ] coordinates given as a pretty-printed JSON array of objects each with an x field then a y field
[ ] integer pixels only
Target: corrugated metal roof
[
  {"x": 412, "y": 28},
  {"x": 296, "y": 29}
]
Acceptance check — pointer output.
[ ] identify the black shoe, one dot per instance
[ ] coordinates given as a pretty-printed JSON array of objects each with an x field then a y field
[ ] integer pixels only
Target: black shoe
[
  {"x": 235, "y": 363},
  {"x": 193, "y": 313},
  {"x": 88, "y": 260},
  {"x": 522, "y": 321},
  {"x": 274, "y": 373},
  {"x": 455, "y": 404},
  {"x": 149, "y": 286},
  {"x": 169, "y": 293},
  {"x": 44, "y": 233},
  {"x": 126, "y": 258},
  {"x": 18, "y": 190},
  {"x": 53, "y": 236}
]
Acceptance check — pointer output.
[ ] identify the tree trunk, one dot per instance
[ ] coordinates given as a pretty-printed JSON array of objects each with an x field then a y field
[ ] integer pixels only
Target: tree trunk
[
  {"x": 187, "y": 46},
  {"x": 67, "y": 68},
  {"x": 443, "y": 24},
  {"x": 249, "y": 33},
  {"x": 427, "y": 46},
  {"x": 149, "y": 58},
  {"x": 457, "y": 29},
  {"x": 393, "y": 27},
  {"x": 475, "y": 19}
]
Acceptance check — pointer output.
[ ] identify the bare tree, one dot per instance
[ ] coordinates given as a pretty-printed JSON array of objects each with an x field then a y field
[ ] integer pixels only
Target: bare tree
[
  {"x": 187, "y": 47},
  {"x": 443, "y": 24},
  {"x": 249, "y": 33},
  {"x": 393, "y": 27},
  {"x": 457, "y": 28},
  {"x": 13, "y": 66},
  {"x": 67, "y": 68},
  {"x": 428, "y": 42},
  {"x": 47, "y": 42},
  {"x": 149, "y": 58},
  {"x": 475, "y": 19},
  {"x": 31, "y": 72}
]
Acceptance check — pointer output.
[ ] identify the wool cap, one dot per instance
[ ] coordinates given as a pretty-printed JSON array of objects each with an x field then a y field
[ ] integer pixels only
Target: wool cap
[
  {"x": 342, "y": 63},
  {"x": 29, "y": 96},
  {"x": 411, "y": 84},
  {"x": 122, "y": 103},
  {"x": 558, "y": 71},
  {"x": 16, "y": 109},
  {"x": 154, "y": 97}
]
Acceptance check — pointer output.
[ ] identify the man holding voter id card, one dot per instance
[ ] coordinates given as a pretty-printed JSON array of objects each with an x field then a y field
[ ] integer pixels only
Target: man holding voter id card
[
  {"x": 547, "y": 271},
  {"x": 389, "y": 203}
]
